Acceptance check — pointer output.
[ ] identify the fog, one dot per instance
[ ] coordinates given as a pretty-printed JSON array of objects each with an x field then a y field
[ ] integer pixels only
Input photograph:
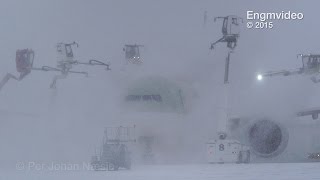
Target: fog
[{"x": 66, "y": 125}]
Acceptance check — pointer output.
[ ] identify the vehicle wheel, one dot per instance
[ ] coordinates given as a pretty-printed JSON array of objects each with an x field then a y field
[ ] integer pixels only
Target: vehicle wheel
[
  {"x": 95, "y": 167},
  {"x": 116, "y": 167},
  {"x": 240, "y": 158},
  {"x": 113, "y": 167},
  {"x": 128, "y": 165},
  {"x": 247, "y": 160}
]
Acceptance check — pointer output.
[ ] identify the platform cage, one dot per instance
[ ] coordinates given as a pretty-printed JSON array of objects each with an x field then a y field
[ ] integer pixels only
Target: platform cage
[{"x": 119, "y": 134}]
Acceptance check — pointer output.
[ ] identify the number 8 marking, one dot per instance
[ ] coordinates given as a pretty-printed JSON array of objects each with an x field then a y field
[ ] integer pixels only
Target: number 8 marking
[{"x": 221, "y": 147}]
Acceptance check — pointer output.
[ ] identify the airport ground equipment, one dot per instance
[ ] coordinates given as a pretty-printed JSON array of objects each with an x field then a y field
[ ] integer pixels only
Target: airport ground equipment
[
  {"x": 115, "y": 152},
  {"x": 24, "y": 65},
  {"x": 230, "y": 31},
  {"x": 314, "y": 156},
  {"x": 65, "y": 63},
  {"x": 310, "y": 66},
  {"x": 147, "y": 142},
  {"x": 132, "y": 53},
  {"x": 225, "y": 150}
]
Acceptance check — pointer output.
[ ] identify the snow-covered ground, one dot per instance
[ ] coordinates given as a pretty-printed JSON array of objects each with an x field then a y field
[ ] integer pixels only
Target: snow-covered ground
[{"x": 269, "y": 171}]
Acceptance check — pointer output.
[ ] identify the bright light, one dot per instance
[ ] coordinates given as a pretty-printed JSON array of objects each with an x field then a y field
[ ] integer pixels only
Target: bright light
[{"x": 259, "y": 77}]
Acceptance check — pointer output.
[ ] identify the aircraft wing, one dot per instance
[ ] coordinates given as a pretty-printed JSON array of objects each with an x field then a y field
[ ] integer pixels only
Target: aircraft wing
[{"x": 314, "y": 112}]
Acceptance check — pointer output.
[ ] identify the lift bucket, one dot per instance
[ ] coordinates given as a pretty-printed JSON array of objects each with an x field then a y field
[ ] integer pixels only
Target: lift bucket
[
  {"x": 132, "y": 53},
  {"x": 24, "y": 60}
]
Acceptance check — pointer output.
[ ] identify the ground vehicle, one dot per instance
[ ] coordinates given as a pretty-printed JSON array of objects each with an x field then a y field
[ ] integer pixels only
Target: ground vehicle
[
  {"x": 115, "y": 152},
  {"x": 227, "y": 151},
  {"x": 114, "y": 155},
  {"x": 314, "y": 156}
]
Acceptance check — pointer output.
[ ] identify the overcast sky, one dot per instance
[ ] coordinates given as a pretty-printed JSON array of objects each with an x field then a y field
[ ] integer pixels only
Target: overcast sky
[{"x": 176, "y": 46}]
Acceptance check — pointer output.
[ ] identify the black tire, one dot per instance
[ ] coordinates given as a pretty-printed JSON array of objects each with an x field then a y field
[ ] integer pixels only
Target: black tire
[
  {"x": 95, "y": 167},
  {"x": 240, "y": 158},
  {"x": 128, "y": 165},
  {"x": 116, "y": 167},
  {"x": 247, "y": 160}
]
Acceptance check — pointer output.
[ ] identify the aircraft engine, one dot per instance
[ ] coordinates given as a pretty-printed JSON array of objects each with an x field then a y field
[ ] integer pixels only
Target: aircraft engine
[{"x": 266, "y": 137}]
